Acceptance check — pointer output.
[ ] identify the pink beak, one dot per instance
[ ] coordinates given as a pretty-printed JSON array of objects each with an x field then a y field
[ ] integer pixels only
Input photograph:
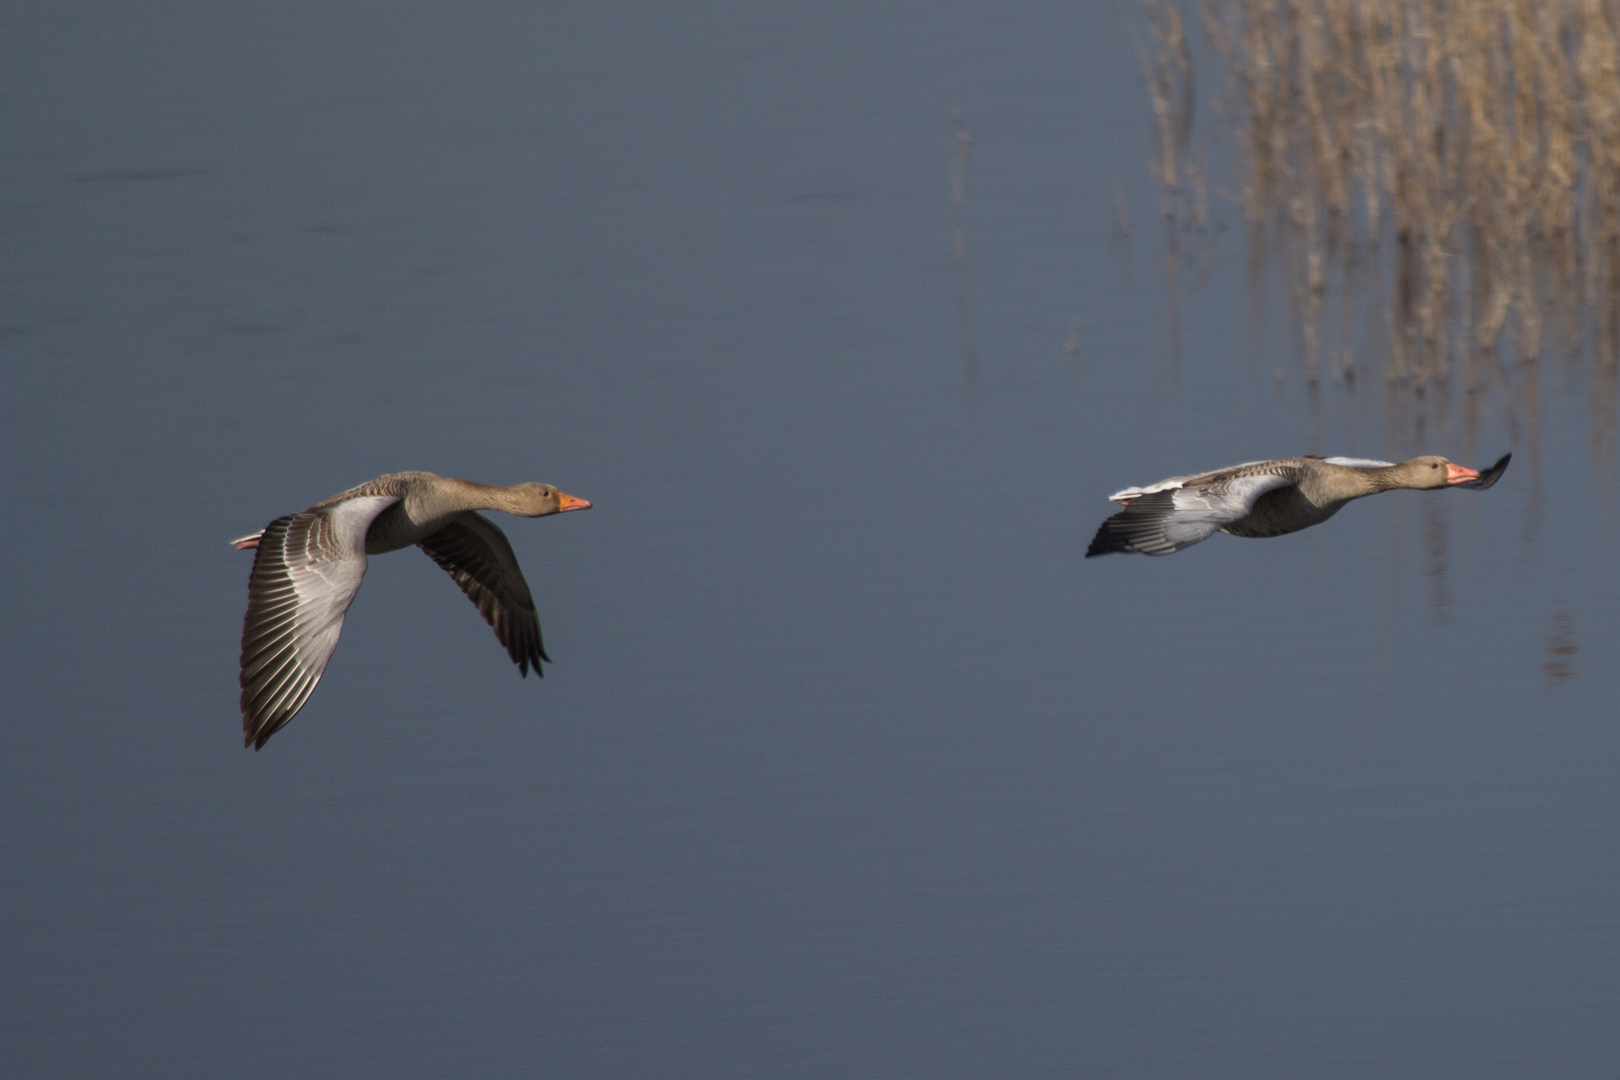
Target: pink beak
[
  {"x": 566, "y": 502},
  {"x": 1456, "y": 474}
]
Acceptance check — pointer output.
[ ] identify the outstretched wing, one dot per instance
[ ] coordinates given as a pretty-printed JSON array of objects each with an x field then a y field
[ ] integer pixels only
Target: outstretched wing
[
  {"x": 1165, "y": 521},
  {"x": 306, "y": 570},
  {"x": 473, "y": 550}
]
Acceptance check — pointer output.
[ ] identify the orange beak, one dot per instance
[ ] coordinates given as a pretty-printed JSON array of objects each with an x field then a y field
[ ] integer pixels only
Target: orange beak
[
  {"x": 1456, "y": 474},
  {"x": 567, "y": 502}
]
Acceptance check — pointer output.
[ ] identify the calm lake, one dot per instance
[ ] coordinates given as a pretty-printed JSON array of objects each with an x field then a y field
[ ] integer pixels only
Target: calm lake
[{"x": 848, "y": 763}]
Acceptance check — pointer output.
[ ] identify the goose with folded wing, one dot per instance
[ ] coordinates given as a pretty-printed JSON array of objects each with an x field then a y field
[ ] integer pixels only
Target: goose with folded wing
[
  {"x": 1265, "y": 498},
  {"x": 307, "y": 568}
]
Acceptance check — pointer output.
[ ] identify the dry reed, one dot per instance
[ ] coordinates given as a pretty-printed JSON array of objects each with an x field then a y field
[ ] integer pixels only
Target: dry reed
[{"x": 1456, "y": 160}]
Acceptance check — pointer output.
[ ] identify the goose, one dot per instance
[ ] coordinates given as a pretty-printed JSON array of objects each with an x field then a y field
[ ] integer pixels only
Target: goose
[
  {"x": 307, "y": 568},
  {"x": 1265, "y": 498}
]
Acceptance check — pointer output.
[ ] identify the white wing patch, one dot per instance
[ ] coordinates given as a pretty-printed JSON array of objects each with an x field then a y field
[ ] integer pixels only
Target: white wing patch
[
  {"x": 1359, "y": 462},
  {"x": 1174, "y": 482}
]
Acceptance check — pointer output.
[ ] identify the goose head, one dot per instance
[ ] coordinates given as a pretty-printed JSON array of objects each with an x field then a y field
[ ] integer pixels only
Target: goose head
[
  {"x": 1433, "y": 471},
  {"x": 539, "y": 500}
]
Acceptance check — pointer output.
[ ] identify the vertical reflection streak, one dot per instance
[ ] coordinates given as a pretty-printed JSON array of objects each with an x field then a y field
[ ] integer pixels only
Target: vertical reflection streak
[
  {"x": 1434, "y": 549},
  {"x": 964, "y": 328}
]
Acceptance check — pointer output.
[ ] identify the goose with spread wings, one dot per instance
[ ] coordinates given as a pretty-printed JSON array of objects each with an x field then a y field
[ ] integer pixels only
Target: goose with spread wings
[
  {"x": 1265, "y": 498},
  {"x": 307, "y": 568}
]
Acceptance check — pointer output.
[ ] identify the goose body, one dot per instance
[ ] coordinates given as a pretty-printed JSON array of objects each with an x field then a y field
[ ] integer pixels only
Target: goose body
[
  {"x": 307, "y": 568},
  {"x": 1264, "y": 498}
]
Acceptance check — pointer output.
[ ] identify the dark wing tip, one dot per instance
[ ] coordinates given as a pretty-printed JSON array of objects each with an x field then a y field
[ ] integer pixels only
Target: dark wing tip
[
  {"x": 1106, "y": 542},
  {"x": 1139, "y": 528},
  {"x": 256, "y": 734},
  {"x": 522, "y": 640},
  {"x": 256, "y": 731},
  {"x": 1492, "y": 474}
]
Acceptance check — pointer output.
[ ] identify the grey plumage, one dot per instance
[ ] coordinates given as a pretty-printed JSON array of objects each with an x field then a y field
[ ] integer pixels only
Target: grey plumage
[
  {"x": 1264, "y": 498},
  {"x": 307, "y": 568}
]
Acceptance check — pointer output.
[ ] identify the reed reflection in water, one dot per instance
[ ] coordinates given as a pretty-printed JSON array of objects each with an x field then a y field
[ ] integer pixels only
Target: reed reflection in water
[
  {"x": 959, "y": 162},
  {"x": 1561, "y": 648}
]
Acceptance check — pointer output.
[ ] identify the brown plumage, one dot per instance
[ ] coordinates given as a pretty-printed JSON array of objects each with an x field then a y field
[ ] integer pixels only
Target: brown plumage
[
  {"x": 1264, "y": 498},
  {"x": 307, "y": 568}
]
